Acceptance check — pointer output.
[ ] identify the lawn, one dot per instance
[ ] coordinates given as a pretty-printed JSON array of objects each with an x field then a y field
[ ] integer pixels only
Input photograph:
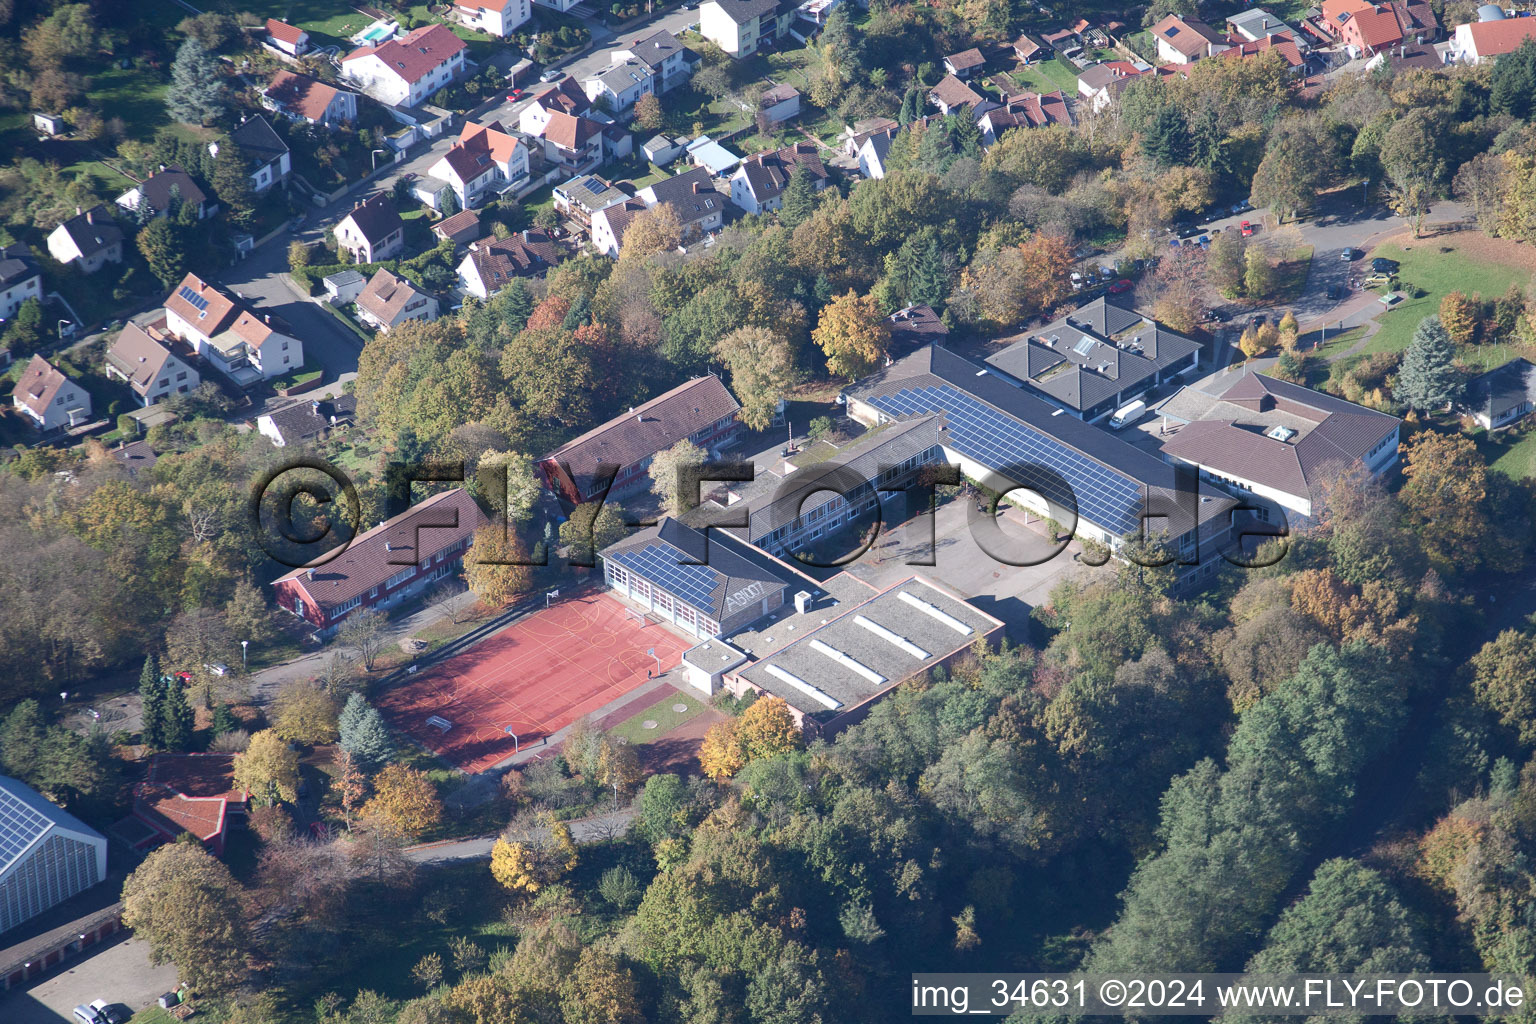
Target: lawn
[
  {"x": 666, "y": 719},
  {"x": 1510, "y": 453},
  {"x": 153, "y": 1015},
  {"x": 1425, "y": 267},
  {"x": 1047, "y": 76}
]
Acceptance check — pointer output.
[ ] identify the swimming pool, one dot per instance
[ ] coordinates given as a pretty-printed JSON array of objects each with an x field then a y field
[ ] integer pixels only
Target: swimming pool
[{"x": 376, "y": 33}]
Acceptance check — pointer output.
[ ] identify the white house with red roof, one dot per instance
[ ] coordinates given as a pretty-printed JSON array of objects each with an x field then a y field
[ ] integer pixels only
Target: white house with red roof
[
  {"x": 286, "y": 38},
  {"x": 388, "y": 564},
  {"x": 239, "y": 343},
  {"x": 147, "y": 362},
  {"x": 407, "y": 71},
  {"x": 496, "y": 17},
  {"x": 564, "y": 96},
  {"x": 486, "y": 157},
  {"x": 49, "y": 399},
  {"x": 302, "y": 98},
  {"x": 1183, "y": 40},
  {"x": 1485, "y": 40}
]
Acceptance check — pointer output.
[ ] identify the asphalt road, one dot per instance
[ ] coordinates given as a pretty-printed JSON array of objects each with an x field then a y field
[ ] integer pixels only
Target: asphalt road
[{"x": 583, "y": 830}]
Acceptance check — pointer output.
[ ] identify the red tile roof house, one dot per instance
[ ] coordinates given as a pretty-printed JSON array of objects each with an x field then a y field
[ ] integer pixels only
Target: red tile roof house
[
  {"x": 394, "y": 561},
  {"x": 486, "y": 158},
  {"x": 701, "y": 411},
  {"x": 150, "y": 365},
  {"x": 193, "y": 793},
  {"x": 1369, "y": 28},
  {"x": 565, "y": 96},
  {"x": 406, "y": 72},
  {"x": 1182, "y": 40},
  {"x": 389, "y": 301},
  {"x": 1487, "y": 40},
  {"x": 759, "y": 182},
  {"x": 51, "y": 400},
  {"x": 1280, "y": 43},
  {"x": 493, "y": 263},
  {"x": 237, "y": 342},
  {"x": 286, "y": 38},
  {"x": 302, "y": 98}
]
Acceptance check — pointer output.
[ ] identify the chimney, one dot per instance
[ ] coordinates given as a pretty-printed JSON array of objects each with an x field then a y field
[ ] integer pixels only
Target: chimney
[
  {"x": 802, "y": 602},
  {"x": 698, "y": 187},
  {"x": 388, "y": 546},
  {"x": 77, "y": 211},
  {"x": 309, "y": 574},
  {"x": 267, "y": 317},
  {"x": 314, "y": 407}
]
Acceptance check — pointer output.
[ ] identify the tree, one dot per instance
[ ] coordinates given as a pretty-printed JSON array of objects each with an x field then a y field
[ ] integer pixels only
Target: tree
[
  {"x": 1504, "y": 681},
  {"x": 231, "y": 180},
  {"x": 853, "y": 334},
  {"x": 25, "y": 332},
  {"x": 767, "y": 728},
  {"x": 52, "y": 759},
  {"x": 1289, "y": 330},
  {"x": 1512, "y": 86},
  {"x": 177, "y": 719},
  {"x": 762, "y": 365},
  {"x": 721, "y": 754},
  {"x": 1300, "y": 159},
  {"x": 364, "y": 735},
  {"x": 591, "y": 528},
  {"x": 496, "y": 567},
  {"x": 651, "y": 231},
  {"x": 1415, "y": 168},
  {"x": 799, "y": 197},
  {"x": 1428, "y": 378},
  {"x": 673, "y": 476},
  {"x": 534, "y": 851},
  {"x": 268, "y": 770},
  {"x": 186, "y": 905},
  {"x": 164, "y": 248},
  {"x": 152, "y": 704},
  {"x": 366, "y": 632},
  {"x": 304, "y": 713},
  {"x": 1016, "y": 281},
  {"x": 1350, "y": 922},
  {"x": 621, "y": 888},
  {"x": 214, "y": 31},
  {"x": 511, "y": 484},
  {"x": 619, "y": 767},
  {"x": 351, "y": 784},
  {"x": 247, "y": 615},
  {"x": 1258, "y": 275},
  {"x": 429, "y": 971},
  {"x": 404, "y": 798},
  {"x": 197, "y": 94},
  {"x": 648, "y": 113},
  {"x": 1459, "y": 316}
]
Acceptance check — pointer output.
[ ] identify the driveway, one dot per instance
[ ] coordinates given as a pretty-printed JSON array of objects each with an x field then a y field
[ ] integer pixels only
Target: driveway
[
  {"x": 119, "y": 973},
  {"x": 584, "y": 830}
]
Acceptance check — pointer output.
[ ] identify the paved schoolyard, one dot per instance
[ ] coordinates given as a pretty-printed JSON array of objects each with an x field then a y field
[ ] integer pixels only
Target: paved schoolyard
[{"x": 119, "y": 973}]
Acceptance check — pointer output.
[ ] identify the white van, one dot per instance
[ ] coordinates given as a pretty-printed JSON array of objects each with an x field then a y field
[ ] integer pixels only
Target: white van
[{"x": 1127, "y": 414}]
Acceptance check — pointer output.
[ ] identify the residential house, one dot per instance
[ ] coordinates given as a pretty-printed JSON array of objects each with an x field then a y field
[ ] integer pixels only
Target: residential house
[
  {"x": 48, "y": 856},
  {"x": 557, "y": 5},
  {"x": 1255, "y": 24},
  {"x": 89, "y": 240},
  {"x": 873, "y": 152},
  {"x": 1487, "y": 40},
  {"x": 302, "y": 422},
  {"x": 700, "y": 209},
  {"x": 1184, "y": 40},
  {"x": 855, "y": 135},
  {"x": 951, "y": 94},
  {"x": 618, "y": 142},
  {"x": 149, "y": 364},
  {"x": 135, "y": 457},
  {"x": 758, "y": 185},
  {"x": 302, "y": 98},
  {"x": 1274, "y": 442},
  {"x": 1407, "y": 57},
  {"x": 564, "y": 96},
  {"x": 965, "y": 63},
  {"x": 493, "y": 263},
  {"x": 406, "y": 71},
  {"x": 1100, "y": 84},
  {"x": 267, "y": 153},
  {"x": 1503, "y": 395},
  {"x": 701, "y": 411},
  {"x": 460, "y": 229},
  {"x": 742, "y": 27},
  {"x": 394, "y": 561},
  {"x": 584, "y": 195},
  {"x": 663, "y": 54},
  {"x": 661, "y": 150},
  {"x": 237, "y": 342},
  {"x": 499, "y": 18},
  {"x": 51, "y": 400},
  {"x": 287, "y": 38},
  {"x": 373, "y": 231},
  {"x": 485, "y": 159},
  {"x": 618, "y": 86},
  {"x": 163, "y": 189},
  {"x": 1029, "y": 49},
  {"x": 1025, "y": 110},
  {"x": 1063, "y": 41},
  {"x": 388, "y": 301},
  {"x": 915, "y": 326},
  {"x": 573, "y": 143},
  {"x": 189, "y": 793},
  {"x": 1367, "y": 28},
  {"x": 779, "y": 103},
  {"x": 20, "y": 279},
  {"x": 1279, "y": 43},
  {"x": 708, "y": 154},
  {"x": 50, "y": 125},
  {"x": 1096, "y": 359},
  {"x": 343, "y": 287}
]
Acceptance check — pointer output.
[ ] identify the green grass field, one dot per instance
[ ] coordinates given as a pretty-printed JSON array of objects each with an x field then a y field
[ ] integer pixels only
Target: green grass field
[
  {"x": 1436, "y": 272},
  {"x": 666, "y": 719},
  {"x": 1514, "y": 455},
  {"x": 1047, "y": 76}
]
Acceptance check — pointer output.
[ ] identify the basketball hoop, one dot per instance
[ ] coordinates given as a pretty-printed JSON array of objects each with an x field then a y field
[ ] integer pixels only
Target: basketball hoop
[{"x": 517, "y": 744}]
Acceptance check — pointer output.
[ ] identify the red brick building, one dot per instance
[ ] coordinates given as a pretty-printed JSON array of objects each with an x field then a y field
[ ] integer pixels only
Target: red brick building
[
  {"x": 193, "y": 793},
  {"x": 395, "y": 560}
]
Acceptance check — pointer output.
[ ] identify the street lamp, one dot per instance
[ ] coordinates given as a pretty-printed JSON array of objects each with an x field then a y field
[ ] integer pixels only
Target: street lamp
[
  {"x": 375, "y": 155},
  {"x": 245, "y": 662},
  {"x": 63, "y": 324}
]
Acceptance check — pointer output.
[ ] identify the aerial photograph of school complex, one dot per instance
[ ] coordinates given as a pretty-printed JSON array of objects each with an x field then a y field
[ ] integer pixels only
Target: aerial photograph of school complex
[{"x": 767, "y": 511}]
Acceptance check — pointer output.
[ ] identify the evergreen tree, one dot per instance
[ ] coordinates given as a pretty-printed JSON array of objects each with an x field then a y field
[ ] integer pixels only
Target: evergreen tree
[
  {"x": 25, "y": 332},
  {"x": 197, "y": 92},
  {"x": 162, "y": 244},
  {"x": 909, "y": 108},
  {"x": 1167, "y": 138},
  {"x": 1512, "y": 87},
  {"x": 177, "y": 719},
  {"x": 1428, "y": 379},
  {"x": 364, "y": 734},
  {"x": 152, "y": 697},
  {"x": 799, "y": 198},
  {"x": 232, "y": 183},
  {"x": 224, "y": 720},
  {"x": 517, "y": 304}
]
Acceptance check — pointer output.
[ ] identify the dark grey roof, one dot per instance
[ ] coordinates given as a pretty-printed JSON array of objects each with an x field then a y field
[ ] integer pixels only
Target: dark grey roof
[
  {"x": 157, "y": 189},
  {"x": 915, "y": 325},
  {"x": 655, "y": 48},
  {"x": 1094, "y": 353},
  {"x": 716, "y": 573},
  {"x": 303, "y": 420},
  {"x": 16, "y": 264},
  {"x": 742, "y": 11},
  {"x": 92, "y": 231},
  {"x": 1503, "y": 388},
  {"x": 692, "y": 194},
  {"x": 1018, "y": 435},
  {"x": 258, "y": 141},
  {"x": 377, "y": 218}
]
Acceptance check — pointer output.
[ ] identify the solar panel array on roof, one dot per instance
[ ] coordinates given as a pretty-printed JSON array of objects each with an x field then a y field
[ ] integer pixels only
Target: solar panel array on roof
[
  {"x": 660, "y": 563},
  {"x": 197, "y": 302},
  {"x": 1103, "y": 496},
  {"x": 20, "y": 825}
]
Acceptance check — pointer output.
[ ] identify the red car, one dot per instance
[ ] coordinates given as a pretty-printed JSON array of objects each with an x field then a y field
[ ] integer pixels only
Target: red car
[
  {"x": 1247, "y": 228},
  {"x": 1120, "y": 286}
]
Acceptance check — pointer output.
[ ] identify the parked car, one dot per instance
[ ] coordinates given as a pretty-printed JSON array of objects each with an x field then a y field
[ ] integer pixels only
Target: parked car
[
  {"x": 551, "y": 75},
  {"x": 112, "y": 1013},
  {"x": 1382, "y": 265},
  {"x": 218, "y": 669},
  {"x": 1246, "y": 227},
  {"x": 1077, "y": 281},
  {"x": 1174, "y": 242},
  {"x": 1350, "y": 255},
  {"x": 1258, "y": 320},
  {"x": 1334, "y": 291},
  {"x": 1120, "y": 287},
  {"x": 86, "y": 1015},
  {"x": 1204, "y": 241},
  {"x": 1242, "y": 207},
  {"x": 1186, "y": 230}
]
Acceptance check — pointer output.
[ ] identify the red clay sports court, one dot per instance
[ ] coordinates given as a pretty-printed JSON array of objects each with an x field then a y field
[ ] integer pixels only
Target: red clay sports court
[{"x": 537, "y": 676}]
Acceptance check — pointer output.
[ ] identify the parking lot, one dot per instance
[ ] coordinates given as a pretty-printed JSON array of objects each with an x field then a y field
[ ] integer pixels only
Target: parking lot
[{"x": 119, "y": 973}]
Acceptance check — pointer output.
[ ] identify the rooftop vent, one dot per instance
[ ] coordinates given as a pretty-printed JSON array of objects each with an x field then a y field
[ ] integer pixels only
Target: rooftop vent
[
  {"x": 1281, "y": 433},
  {"x": 802, "y": 602}
]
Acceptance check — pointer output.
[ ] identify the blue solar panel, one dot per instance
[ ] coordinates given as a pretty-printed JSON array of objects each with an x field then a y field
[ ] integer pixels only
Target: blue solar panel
[
  {"x": 1103, "y": 496},
  {"x": 197, "y": 301},
  {"x": 659, "y": 564},
  {"x": 20, "y": 825}
]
